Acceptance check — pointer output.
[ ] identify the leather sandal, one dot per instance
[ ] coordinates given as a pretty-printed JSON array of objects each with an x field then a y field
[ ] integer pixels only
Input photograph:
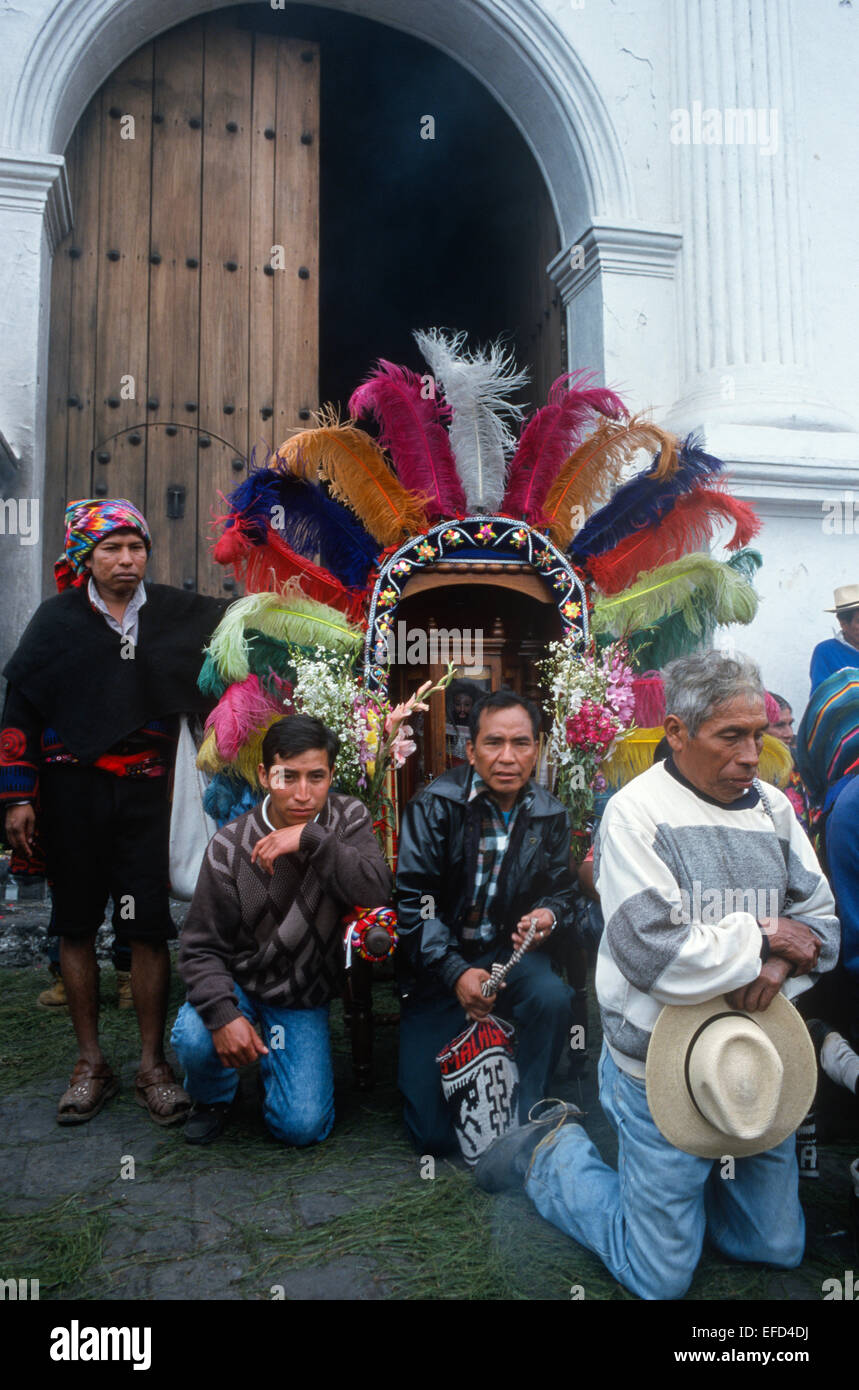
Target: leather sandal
[
  {"x": 158, "y": 1091},
  {"x": 90, "y": 1087}
]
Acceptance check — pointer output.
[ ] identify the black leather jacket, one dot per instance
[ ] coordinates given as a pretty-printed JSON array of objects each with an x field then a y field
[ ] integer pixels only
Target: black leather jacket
[{"x": 436, "y": 867}]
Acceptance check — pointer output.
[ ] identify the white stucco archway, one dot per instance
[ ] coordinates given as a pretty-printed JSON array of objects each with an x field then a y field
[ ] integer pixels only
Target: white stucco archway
[
  {"x": 511, "y": 46},
  {"x": 680, "y": 293}
]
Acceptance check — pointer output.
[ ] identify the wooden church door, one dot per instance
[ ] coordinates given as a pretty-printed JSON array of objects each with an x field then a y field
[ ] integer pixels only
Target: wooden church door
[{"x": 184, "y": 303}]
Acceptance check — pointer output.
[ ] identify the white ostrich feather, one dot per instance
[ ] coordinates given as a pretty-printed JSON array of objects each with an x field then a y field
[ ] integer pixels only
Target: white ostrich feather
[{"x": 477, "y": 386}]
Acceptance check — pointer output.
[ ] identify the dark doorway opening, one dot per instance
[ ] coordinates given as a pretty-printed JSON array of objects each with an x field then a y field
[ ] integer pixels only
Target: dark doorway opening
[{"x": 454, "y": 231}]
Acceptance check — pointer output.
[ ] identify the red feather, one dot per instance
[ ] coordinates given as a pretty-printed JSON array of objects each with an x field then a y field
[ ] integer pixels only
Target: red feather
[
  {"x": 267, "y": 567},
  {"x": 412, "y": 429},
  {"x": 688, "y": 527},
  {"x": 549, "y": 438},
  {"x": 232, "y": 546},
  {"x": 648, "y": 691}
]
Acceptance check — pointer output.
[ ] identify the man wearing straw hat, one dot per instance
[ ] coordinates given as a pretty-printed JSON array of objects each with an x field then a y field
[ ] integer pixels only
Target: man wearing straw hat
[
  {"x": 716, "y": 910},
  {"x": 837, "y": 652}
]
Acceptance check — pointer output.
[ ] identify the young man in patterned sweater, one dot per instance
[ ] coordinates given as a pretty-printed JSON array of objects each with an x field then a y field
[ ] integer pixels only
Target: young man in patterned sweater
[
  {"x": 709, "y": 887},
  {"x": 262, "y": 943}
]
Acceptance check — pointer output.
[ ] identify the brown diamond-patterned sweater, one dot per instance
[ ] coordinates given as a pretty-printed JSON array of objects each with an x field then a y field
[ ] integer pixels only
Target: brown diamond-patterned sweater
[{"x": 278, "y": 935}]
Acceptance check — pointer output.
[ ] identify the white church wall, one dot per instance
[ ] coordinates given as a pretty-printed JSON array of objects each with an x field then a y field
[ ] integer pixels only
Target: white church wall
[
  {"x": 826, "y": 41},
  {"x": 682, "y": 268},
  {"x": 624, "y": 47}
]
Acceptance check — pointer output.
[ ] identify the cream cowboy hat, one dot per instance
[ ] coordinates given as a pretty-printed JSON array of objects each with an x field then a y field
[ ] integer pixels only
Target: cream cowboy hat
[
  {"x": 723, "y": 1082},
  {"x": 845, "y": 597}
]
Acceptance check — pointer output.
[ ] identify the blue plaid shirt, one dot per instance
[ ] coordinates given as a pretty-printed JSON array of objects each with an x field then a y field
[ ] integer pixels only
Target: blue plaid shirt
[{"x": 496, "y": 828}]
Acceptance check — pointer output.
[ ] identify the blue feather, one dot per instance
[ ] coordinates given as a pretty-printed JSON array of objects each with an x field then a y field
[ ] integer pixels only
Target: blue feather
[
  {"x": 643, "y": 501},
  {"x": 315, "y": 525},
  {"x": 227, "y": 797},
  {"x": 312, "y": 523},
  {"x": 254, "y": 499}
]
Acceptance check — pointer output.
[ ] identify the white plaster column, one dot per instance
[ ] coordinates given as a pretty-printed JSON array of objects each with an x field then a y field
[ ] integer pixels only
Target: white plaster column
[
  {"x": 617, "y": 286},
  {"x": 35, "y": 214},
  {"x": 744, "y": 317}
]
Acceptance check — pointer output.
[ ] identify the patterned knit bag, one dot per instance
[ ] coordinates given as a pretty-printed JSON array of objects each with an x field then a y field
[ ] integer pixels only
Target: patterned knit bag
[{"x": 480, "y": 1082}]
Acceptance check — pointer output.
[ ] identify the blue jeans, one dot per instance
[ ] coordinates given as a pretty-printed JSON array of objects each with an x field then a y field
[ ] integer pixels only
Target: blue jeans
[
  {"x": 647, "y": 1221},
  {"x": 536, "y": 999},
  {"x": 297, "y": 1076}
]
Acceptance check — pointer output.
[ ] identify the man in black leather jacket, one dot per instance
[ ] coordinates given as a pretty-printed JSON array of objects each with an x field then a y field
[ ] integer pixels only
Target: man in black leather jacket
[{"x": 483, "y": 850}]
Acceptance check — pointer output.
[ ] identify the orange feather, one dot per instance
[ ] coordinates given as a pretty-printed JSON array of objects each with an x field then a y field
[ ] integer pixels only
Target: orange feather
[
  {"x": 590, "y": 475},
  {"x": 359, "y": 475}
]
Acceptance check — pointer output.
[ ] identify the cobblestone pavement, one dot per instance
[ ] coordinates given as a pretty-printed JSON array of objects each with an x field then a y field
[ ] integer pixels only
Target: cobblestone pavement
[
  {"x": 24, "y": 929},
  {"x": 184, "y": 1232}
]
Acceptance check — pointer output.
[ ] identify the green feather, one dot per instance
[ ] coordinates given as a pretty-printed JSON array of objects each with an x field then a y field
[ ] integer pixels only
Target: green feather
[
  {"x": 699, "y": 595},
  {"x": 653, "y": 647},
  {"x": 209, "y": 680},
  {"x": 304, "y": 622},
  {"x": 746, "y": 562},
  {"x": 703, "y": 591},
  {"x": 267, "y": 655},
  {"x": 288, "y": 617}
]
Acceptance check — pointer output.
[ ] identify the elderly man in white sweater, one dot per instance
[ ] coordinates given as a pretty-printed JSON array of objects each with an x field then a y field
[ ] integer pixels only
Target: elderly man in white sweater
[{"x": 709, "y": 887}]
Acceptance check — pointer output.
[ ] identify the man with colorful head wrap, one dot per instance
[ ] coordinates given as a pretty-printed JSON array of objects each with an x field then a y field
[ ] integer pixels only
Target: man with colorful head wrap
[
  {"x": 87, "y": 524},
  {"x": 88, "y": 736}
]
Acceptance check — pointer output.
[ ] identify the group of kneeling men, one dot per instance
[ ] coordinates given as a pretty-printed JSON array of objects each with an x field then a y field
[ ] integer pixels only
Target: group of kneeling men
[{"x": 483, "y": 857}]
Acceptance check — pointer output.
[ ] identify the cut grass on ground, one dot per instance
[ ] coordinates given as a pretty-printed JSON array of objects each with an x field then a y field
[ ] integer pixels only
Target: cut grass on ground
[
  {"x": 57, "y": 1245},
  {"x": 417, "y": 1236}
]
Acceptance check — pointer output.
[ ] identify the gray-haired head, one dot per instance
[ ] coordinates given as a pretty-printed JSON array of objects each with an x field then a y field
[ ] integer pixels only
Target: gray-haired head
[{"x": 695, "y": 686}]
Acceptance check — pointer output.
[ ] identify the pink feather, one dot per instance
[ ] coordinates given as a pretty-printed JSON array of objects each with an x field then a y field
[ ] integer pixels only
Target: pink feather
[
  {"x": 648, "y": 693},
  {"x": 413, "y": 430},
  {"x": 243, "y": 708},
  {"x": 549, "y": 438}
]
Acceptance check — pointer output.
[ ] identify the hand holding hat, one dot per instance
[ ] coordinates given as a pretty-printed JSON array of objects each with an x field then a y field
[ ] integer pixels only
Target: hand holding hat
[{"x": 722, "y": 1082}]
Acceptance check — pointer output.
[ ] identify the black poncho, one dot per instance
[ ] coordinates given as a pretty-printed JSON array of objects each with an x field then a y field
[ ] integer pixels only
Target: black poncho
[{"x": 69, "y": 666}]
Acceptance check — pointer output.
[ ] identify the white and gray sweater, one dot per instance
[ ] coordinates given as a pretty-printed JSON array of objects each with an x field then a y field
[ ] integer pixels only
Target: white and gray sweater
[{"x": 683, "y": 882}]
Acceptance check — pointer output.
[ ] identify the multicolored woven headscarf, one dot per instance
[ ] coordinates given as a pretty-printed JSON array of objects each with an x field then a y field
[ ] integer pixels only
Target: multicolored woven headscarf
[{"x": 88, "y": 522}]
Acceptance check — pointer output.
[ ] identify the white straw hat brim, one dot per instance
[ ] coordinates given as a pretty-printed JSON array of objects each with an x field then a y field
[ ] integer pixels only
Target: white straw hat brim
[
  {"x": 674, "y": 1112},
  {"x": 846, "y": 597}
]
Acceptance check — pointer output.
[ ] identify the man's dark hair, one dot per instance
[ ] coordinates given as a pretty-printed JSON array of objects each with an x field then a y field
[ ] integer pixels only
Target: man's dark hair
[
  {"x": 461, "y": 687},
  {"x": 298, "y": 733},
  {"x": 780, "y": 700},
  {"x": 502, "y": 699}
]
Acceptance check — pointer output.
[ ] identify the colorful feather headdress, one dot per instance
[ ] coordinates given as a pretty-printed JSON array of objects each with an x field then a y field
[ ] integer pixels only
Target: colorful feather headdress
[{"x": 306, "y": 532}]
